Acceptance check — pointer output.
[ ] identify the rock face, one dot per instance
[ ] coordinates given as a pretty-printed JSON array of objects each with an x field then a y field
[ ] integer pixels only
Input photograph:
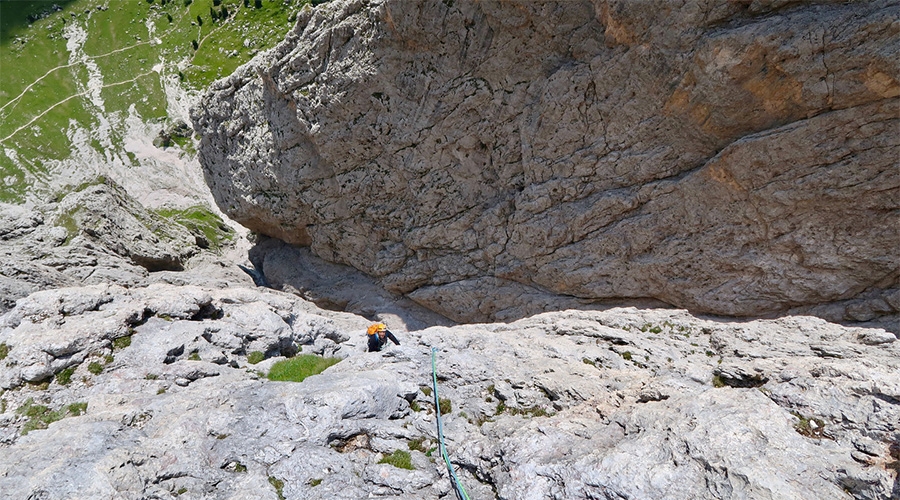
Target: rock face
[
  {"x": 97, "y": 233},
  {"x": 736, "y": 158},
  {"x": 121, "y": 393}
]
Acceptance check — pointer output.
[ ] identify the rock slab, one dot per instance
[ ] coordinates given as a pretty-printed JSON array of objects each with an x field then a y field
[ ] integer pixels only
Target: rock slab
[{"x": 110, "y": 392}]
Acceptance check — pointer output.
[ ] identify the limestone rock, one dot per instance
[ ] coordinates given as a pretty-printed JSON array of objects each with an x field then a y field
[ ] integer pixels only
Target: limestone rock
[
  {"x": 97, "y": 233},
  {"x": 495, "y": 159},
  {"x": 621, "y": 403}
]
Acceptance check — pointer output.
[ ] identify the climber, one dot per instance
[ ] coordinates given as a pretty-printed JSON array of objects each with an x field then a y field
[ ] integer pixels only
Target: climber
[{"x": 378, "y": 336}]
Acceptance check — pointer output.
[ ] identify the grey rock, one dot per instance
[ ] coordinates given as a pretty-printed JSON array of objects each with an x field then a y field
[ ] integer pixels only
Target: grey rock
[
  {"x": 98, "y": 234},
  {"x": 876, "y": 337},
  {"x": 573, "y": 404},
  {"x": 492, "y": 160}
]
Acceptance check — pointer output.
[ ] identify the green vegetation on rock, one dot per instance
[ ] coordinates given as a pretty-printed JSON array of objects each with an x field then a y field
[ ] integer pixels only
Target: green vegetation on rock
[
  {"x": 209, "y": 229},
  {"x": 399, "y": 459},
  {"x": 40, "y": 416},
  {"x": 77, "y": 73},
  {"x": 65, "y": 376},
  {"x": 278, "y": 484},
  {"x": 299, "y": 368}
]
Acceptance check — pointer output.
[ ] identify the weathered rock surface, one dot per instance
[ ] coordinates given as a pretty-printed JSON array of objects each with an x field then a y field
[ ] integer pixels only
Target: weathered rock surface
[
  {"x": 623, "y": 403},
  {"x": 97, "y": 233},
  {"x": 736, "y": 158}
]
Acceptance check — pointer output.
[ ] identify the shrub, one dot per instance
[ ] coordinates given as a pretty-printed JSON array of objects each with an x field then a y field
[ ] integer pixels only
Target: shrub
[
  {"x": 95, "y": 368},
  {"x": 626, "y": 355},
  {"x": 426, "y": 390},
  {"x": 298, "y": 368},
  {"x": 414, "y": 406},
  {"x": 255, "y": 357},
  {"x": 399, "y": 459},
  {"x": 65, "y": 376}
]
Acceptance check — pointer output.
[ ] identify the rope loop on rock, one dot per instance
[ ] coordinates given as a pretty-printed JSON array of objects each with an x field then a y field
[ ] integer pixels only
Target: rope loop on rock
[{"x": 457, "y": 486}]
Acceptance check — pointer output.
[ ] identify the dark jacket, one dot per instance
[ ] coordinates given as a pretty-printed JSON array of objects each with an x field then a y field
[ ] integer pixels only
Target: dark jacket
[{"x": 376, "y": 343}]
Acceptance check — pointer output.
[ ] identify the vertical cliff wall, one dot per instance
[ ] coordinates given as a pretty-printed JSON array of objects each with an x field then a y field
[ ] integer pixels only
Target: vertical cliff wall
[{"x": 491, "y": 158}]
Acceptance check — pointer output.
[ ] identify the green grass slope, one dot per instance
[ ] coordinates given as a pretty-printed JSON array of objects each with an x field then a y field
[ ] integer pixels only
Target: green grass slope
[{"x": 75, "y": 75}]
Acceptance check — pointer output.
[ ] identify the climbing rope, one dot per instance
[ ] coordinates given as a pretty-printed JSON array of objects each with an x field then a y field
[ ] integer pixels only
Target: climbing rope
[{"x": 457, "y": 486}]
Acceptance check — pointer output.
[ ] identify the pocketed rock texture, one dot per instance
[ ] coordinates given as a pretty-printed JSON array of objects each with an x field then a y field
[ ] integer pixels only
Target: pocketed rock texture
[
  {"x": 736, "y": 158},
  {"x": 121, "y": 393}
]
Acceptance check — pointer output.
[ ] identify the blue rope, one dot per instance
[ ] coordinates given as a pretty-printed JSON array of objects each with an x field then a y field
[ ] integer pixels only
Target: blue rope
[{"x": 457, "y": 486}]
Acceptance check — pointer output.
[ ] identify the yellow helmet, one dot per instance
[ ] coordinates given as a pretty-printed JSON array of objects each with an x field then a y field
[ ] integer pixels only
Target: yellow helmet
[{"x": 375, "y": 328}]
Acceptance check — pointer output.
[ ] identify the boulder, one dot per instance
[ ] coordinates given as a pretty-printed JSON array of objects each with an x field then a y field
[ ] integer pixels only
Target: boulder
[{"x": 491, "y": 160}]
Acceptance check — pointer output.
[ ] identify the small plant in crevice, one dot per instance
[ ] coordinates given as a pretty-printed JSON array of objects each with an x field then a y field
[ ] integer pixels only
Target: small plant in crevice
[
  {"x": 77, "y": 409},
  {"x": 445, "y": 406},
  {"x": 315, "y": 482},
  {"x": 278, "y": 484},
  {"x": 234, "y": 466},
  {"x": 194, "y": 356},
  {"x": 811, "y": 427},
  {"x": 39, "y": 386},
  {"x": 414, "y": 406},
  {"x": 717, "y": 381},
  {"x": 121, "y": 342},
  {"x": 399, "y": 459},
  {"x": 417, "y": 444},
  {"x": 626, "y": 355},
  {"x": 95, "y": 368},
  {"x": 425, "y": 390},
  {"x": 255, "y": 357},
  {"x": 65, "y": 376},
  {"x": 4, "y": 351}
]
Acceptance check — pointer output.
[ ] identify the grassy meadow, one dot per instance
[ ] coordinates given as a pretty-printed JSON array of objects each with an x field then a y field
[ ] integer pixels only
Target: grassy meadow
[{"x": 72, "y": 73}]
